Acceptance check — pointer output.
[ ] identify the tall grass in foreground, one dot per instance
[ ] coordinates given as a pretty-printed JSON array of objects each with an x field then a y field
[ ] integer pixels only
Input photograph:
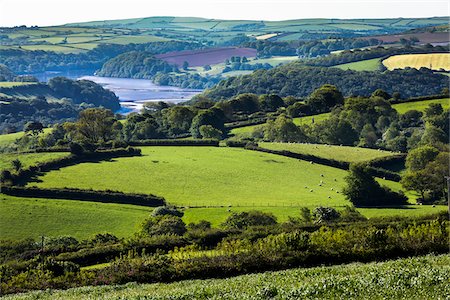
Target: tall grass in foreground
[{"x": 425, "y": 277}]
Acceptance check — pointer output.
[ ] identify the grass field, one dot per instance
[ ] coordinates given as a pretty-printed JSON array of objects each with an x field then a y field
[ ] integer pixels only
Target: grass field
[
  {"x": 342, "y": 153},
  {"x": 364, "y": 65},
  {"x": 28, "y": 217},
  {"x": 420, "y": 105},
  {"x": 433, "y": 61},
  {"x": 408, "y": 278},
  {"x": 28, "y": 159},
  {"x": 209, "y": 176}
]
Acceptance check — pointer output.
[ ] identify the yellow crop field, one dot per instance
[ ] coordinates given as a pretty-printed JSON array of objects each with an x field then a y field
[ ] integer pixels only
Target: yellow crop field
[{"x": 433, "y": 61}]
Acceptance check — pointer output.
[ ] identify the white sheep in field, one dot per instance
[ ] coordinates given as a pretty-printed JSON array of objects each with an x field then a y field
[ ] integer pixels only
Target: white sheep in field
[{"x": 311, "y": 191}]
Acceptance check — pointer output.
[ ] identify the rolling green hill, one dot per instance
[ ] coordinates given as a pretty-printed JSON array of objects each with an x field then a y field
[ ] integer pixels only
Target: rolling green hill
[
  {"x": 29, "y": 217},
  {"x": 342, "y": 153}
]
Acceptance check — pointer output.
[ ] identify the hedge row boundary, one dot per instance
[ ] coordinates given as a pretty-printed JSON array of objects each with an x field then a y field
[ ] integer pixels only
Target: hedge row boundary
[
  {"x": 174, "y": 142},
  {"x": 376, "y": 171},
  {"x": 24, "y": 175},
  {"x": 86, "y": 195}
]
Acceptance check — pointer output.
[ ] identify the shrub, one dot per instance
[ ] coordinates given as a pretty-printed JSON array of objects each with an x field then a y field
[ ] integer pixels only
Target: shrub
[
  {"x": 167, "y": 211},
  {"x": 323, "y": 214},
  {"x": 104, "y": 238},
  {"x": 162, "y": 225},
  {"x": 246, "y": 219}
]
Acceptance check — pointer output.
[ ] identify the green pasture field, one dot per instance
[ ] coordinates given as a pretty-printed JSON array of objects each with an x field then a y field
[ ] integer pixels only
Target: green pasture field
[
  {"x": 363, "y": 65},
  {"x": 29, "y": 217},
  {"x": 401, "y": 108},
  {"x": 342, "y": 153},
  {"x": 407, "y": 278},
  {"x": 28, "y": 159},
  {"x": 6, "y": 139},
  {"x": 209, "y": 176}
]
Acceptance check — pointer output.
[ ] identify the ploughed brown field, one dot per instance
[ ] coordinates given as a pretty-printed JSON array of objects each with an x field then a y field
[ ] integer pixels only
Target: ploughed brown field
[
  {"x": 424, "y": 37},
  {"x": 198, "y": 58}
]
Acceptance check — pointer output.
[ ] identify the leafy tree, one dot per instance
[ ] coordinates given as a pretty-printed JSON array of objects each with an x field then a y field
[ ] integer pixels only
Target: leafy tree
[
  {"x": 363, "y": 190},
  {"x": 213, "y": 116},
  {"x": 34, "y": 127},
  {"x": 179, "y": 119},
  {"x": 270, "y": 102},
  {"x": 368, "y": 136},
  {"x": 325, "y": 98},
  {"x": 283, "y": 130},
  {"x": 209, "y": 132},
  {"x": 95, "y": 125},
  {"x": 418, "y": 158}
]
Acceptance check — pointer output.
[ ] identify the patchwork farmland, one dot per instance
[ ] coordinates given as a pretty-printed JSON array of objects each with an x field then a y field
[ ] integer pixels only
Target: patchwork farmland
[{"x": 199, "y": 58}]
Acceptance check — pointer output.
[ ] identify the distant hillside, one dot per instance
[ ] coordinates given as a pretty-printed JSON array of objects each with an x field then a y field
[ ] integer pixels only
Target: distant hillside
[
  {"x": 297, "y": 80},
  {"x": 5, "y": 73},
  {"x": 215, "y": 25}
]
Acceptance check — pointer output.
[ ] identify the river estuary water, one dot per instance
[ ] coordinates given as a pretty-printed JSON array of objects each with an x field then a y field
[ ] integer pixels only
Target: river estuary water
[{"x": 132, "y": 93}]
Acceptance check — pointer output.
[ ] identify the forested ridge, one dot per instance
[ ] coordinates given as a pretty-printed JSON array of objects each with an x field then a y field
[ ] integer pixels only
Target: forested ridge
[{"x": 297, "y": 80}]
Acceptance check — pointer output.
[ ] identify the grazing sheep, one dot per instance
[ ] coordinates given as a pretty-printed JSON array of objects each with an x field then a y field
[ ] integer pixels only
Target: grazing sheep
[
  {"x": 311, "y": 191},
  {"x": 321, "y": 175}
]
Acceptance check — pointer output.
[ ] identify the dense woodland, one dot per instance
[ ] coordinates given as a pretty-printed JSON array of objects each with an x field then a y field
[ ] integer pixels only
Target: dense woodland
[{"x": 297, "y": 80}]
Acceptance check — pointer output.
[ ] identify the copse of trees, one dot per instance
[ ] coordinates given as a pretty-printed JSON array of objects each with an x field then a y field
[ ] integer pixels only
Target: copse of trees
[
  {"x": 363, "y": 190},
  {"x": 84, "y": 91}
]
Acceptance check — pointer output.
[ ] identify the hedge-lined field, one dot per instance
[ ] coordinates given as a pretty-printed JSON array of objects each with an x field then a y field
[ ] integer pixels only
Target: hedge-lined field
[
  {"x": 363, "y": 65},
  {"x": 433, "y": 61},
  {"x": 409, "y": 278},
  {"x": 341, "y": 153},
  {"x": 28, "y": 159},
  {"x": 31, "y": 217},
  {"x": 401, "y": 108},
  {"x": 209, "y": 176}
]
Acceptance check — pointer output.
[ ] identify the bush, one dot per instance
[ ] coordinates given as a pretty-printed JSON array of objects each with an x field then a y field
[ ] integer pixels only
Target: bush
[
  {"x": 323, "y": 214},
  {"x": 246, "y": 219},
  {"x": 162, "y": 225},
  {"x": 167, "y": 211}
]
